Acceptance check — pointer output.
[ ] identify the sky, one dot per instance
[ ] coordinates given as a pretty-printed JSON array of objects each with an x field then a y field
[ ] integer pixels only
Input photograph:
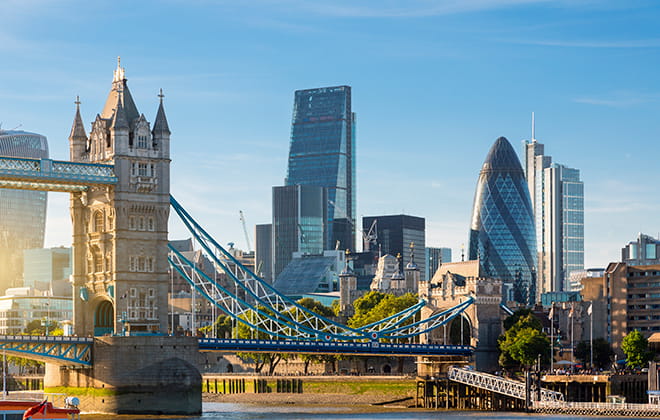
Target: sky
[{"x": 434, "y": 84}]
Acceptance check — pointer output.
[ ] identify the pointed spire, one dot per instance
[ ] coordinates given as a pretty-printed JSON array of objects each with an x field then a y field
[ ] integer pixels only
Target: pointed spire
[
  {"x": 411, "y": 264},
  {"x": 78, "y": 128},
  {"x": 119, "y": 120},
  {"x": 160, "y": 125}
]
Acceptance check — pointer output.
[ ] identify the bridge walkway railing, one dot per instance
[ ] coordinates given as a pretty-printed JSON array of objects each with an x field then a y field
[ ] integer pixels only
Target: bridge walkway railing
[{"x": 509, "y": 387}]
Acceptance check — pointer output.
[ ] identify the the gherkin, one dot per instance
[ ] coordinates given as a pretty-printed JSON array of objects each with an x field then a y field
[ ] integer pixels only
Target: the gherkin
[{"x": 502, "y": 233}]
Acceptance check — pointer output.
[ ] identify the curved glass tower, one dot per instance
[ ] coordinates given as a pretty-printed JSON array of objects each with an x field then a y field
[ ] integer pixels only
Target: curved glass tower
[
  {"x": 22, "y": 213},
  {"x": 502, "y": 231}
]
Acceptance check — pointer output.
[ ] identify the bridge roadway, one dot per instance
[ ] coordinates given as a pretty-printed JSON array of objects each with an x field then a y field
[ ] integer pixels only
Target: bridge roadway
[
  {"x": 331, "y": 347},
  {"x": 78, "y": 351}
]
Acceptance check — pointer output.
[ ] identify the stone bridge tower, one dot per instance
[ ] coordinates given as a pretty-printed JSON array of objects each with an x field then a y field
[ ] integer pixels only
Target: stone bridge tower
[
  {"x": 120, "y": 268},
  {"x": 481, "y": 321}
]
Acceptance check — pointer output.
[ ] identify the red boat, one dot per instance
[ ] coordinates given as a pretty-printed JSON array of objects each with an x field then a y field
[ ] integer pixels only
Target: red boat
[{"x": 16, "y": 409}]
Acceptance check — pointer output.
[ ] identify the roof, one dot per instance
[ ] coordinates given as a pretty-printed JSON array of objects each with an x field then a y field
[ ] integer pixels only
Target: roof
[
  {"x": 305, "y": 275},
  {"x": 119, "y": 93},
  {"x": 502, "y": 157}
]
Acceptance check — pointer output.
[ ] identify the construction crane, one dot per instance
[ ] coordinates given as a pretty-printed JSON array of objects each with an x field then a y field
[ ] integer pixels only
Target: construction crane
[{"x": 247, "y": 237}]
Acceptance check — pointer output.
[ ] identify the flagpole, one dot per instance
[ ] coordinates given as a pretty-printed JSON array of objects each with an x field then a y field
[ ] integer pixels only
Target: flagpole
[
  {"x": 591, "y": 334},
  {"x": 572, "y": 345},
  {"x": 552, "y": 337}
]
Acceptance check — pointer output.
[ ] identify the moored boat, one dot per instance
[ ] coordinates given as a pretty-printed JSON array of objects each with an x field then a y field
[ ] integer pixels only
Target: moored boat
[{"x": 36, "y": 410}]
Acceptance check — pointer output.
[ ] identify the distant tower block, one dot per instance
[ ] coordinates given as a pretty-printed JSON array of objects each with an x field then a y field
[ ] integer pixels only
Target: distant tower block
[{"x": 120, "y": 234}]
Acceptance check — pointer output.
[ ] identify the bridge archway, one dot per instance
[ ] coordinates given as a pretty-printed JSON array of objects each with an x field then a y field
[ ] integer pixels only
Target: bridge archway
[
  {"x": 460, "y": 331},
  {"x": 103, "y": 318}
]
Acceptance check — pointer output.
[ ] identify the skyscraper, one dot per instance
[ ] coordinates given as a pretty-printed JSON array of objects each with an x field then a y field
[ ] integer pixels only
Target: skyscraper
[
  {"x": 322, "y": 153},
  {"x": 22, "y": 213},
  {"x": 557, "y": 196},
  {"x": 563, "y": 202},
  {"x": 299, "y": 222},
  {"x": 434, "y": 258},
  {"x": 395, "y": 234},
  {"x": 502, "y": 234}
]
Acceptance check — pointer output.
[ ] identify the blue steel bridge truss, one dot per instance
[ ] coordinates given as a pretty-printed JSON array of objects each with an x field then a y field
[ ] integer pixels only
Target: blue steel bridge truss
[
  {"x": 256, "y": 304},
  {"x": 53, "y": 349}
]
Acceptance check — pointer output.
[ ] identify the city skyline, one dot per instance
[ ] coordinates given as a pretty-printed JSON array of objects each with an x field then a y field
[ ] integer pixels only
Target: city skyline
[{"x": 433, "y": 83}]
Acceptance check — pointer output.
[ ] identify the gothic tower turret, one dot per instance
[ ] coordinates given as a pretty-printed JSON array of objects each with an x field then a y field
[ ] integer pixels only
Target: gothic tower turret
[
  {"x": 120, "y": 233},
  {"x": 78, "y": 137}
]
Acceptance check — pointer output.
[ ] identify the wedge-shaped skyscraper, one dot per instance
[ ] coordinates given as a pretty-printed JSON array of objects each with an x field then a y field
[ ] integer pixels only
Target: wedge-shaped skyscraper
[{"x": 502, "y": 233}]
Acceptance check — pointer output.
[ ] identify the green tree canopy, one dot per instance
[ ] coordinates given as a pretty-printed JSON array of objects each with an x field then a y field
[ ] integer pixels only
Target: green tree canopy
[
  {"x": 375, "y": 306},
  {"x": 523, "y": 343},
  {"x": 526, "y": 313},
  {"x": 636, "y": 348}
]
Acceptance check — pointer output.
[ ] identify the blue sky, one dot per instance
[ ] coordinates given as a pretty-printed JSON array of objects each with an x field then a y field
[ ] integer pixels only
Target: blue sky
[{"x": 434, "y": 84}]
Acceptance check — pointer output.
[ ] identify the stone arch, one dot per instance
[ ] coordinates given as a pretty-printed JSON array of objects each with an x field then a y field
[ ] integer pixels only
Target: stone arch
[
  {"x": 104, "y": 315},
  {"x": 455, "y": 330}
]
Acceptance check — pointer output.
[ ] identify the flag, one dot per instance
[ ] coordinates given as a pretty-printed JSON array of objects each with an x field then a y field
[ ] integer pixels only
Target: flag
[
  {"x": 570, "y": 313},
  {"x": 39, "y": 408},
  {"x": 590, "y": 309},
  {"x": 124, "y": 296},
  {"x": 551, "y": 314}
]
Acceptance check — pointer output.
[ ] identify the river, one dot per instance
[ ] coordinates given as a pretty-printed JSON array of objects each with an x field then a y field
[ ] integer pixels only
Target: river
[{"x": 226, "y": 411}]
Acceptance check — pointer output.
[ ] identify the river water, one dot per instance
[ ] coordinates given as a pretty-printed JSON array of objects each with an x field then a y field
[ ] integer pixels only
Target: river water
[{"x": 226, "y": 411}]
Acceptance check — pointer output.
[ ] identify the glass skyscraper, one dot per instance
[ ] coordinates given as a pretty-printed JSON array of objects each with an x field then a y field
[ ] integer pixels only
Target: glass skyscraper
[
  {"x": 22, "y": 213},
  {"x": 322, "y": 153},
  {"x": 502, "y": 233},
  {"x": 299, "y": 215},
  {"x": 557, "y": 195}
]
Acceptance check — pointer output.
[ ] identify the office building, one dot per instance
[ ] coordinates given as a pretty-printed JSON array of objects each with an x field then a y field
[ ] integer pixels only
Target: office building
[
  {"x": 643, "y": 251},
  {"x": 322, "y": 153},
  {"x": 399, "y": 234},
  {"x": 22, "y": 305},
  {"x": 299, "y": 223},
  {"x": 434, "y": 257},
  {"x": 502, "y": 233},
  {"x": 48, "y": 270},
  {"x": 625, "y": 298},
  {"x": 263, "y": 254},
  {"x": 557, "y": 196},
  {"x": 22, "y": 212}
]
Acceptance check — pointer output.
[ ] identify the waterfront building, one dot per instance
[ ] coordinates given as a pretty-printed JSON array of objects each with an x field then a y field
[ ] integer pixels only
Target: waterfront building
[
  {"x": 625, "y": 298},
  {"x": 643, "y": 251},
  {"x": 22, "y": 212},
  {"x": 322, "y": 153},
  {"x": 502, "y": 233},
  {"x": 557, "y": 196},
  {"x": 397, "y": 234},
  {"x": 299, "y": 223},
  {"x": 22, "y": 305},
  {"x": 576, "y": 276},
  {"x": 433, "y": 258},
  {"x": 48, "y": 269},
  {"x": 263, "y": 254}
]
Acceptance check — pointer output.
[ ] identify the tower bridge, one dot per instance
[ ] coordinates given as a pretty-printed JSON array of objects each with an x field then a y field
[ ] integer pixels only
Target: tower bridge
[{"x": 119, "y": 184}]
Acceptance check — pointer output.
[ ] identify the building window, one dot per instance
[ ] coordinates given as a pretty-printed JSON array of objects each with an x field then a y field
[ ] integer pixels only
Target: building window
[
  {"x": 151, "y": 224},
  {"x": 141, "y": 224},
  {"x": 131, "y": 222},
  {"x": 98, "y": 221},
  {"x": 132, "y": 292},
  {"x": 98, "y": 260},
  {"x": 142, "y": 142},
  {"x": 142, "y": 169}
]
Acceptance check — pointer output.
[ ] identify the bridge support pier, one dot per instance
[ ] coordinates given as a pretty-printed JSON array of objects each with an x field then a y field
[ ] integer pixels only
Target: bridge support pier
[{"x": 134, "y": 375}]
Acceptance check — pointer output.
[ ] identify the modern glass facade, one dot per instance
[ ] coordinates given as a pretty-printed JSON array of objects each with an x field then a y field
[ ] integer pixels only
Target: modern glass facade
[
  {"x": 23, "y": 306},
  {"x": 434, "y": 258},
  {"x": 22, "y": 213},
  {"x": 563, "y": 201},
  {"x": 299, "y": 215},
  {"x": 322, "y": 153},
  {"x": 395, "y": 234},
  {"x": 502, "y": 232},
  {"x": 48, "y": 269}
]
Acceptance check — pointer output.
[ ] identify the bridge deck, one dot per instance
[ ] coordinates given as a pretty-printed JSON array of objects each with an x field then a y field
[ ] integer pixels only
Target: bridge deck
[
  {"x": 53, "y": 349},
  {"x": 331, "y": 347},
  {"x": 53, "y": 175}
]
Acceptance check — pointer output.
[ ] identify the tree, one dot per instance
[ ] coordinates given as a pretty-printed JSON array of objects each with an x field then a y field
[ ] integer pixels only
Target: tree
[
  {"x": 602, "y": 352},
  {"x": 532, "y": 321},
  {"x": 325, "y": 311},
  {"x": 636, "y": 348},
  {"x": 221, "y": 328},
  {"x": 375, "y": 306},
  {"x": 523, "y": 343}
]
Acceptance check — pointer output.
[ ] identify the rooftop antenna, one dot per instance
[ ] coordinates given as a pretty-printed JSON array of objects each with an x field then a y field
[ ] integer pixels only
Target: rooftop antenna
[{"x": 533, "y": 138}]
